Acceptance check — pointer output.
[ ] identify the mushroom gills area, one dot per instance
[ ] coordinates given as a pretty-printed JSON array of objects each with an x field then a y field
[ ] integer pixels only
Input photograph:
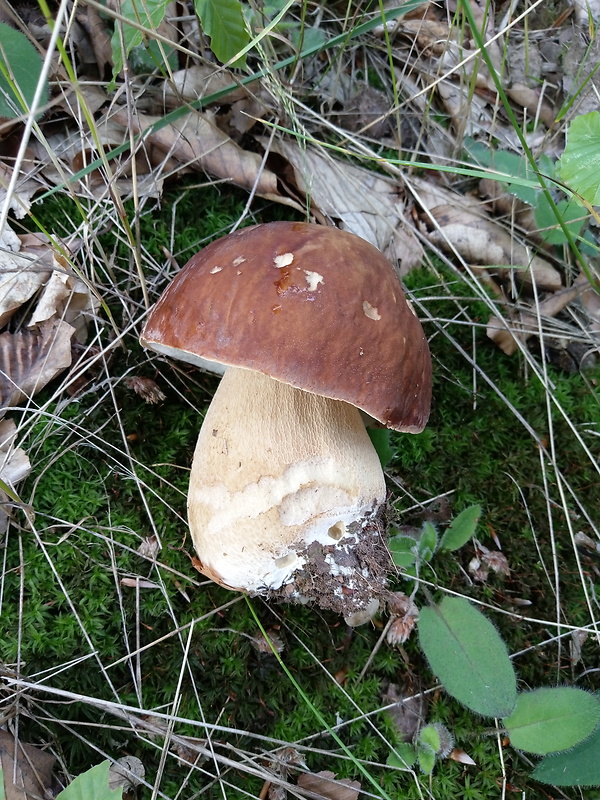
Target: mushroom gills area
[{"x": 285, "y": 494}]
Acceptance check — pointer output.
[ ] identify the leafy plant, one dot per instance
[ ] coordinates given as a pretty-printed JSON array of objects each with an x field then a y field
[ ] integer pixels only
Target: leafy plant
[
  {"x": 579, "y": 165},
  {"x": 469, "y": 658},
  {"x": 520, "y": 168},
  {"x": 20, "y": 73},
  {"x": 222, "y": 21}
]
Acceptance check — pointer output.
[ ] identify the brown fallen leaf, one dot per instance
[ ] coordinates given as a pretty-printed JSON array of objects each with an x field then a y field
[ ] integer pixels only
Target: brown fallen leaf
[
  {"x": 24, "y": 268},
  {"x": 196, "y": 142},
  {"x": 198, "y": 81},
  {"x": 14, "y": 466},
  {"x": 31, "y": 359},
  {"x": 146, "y": 388},
  {"x": 65, "y": 297},
  {"x": 325, "y": 786},
  {"x": 26, "y": 188},
  {"x": 96, "y": 28},
  {"x": 27, "y": 769},
  {"x": 524, "y": 323},
  {"x": 126, "y": 773},
  {"x": 461, "y": 757},
  {"x": 479, "y": 240},
  {"x": 407, "y": 710},
  {"x": 367, "y": 204}
]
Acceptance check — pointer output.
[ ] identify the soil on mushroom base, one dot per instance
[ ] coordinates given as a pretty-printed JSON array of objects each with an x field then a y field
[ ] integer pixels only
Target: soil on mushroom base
[{"x": 345, "y": 577}]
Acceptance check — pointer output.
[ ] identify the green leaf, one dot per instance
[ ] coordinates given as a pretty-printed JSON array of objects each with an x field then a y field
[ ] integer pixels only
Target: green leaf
[
  {"x": 380, "y": 439},
  {"x": 147, "y": 58},
  {"x": 20, "y": 73},
  {"x": 548, "y": 720},
  {"x": 403, "y": 550},
  {"x": 91, "y": 785},
  {"x": 223, "y": 21},
  {"x": 579, "y": 165},
  {"x": 579, "y": 766},
  {"x": 571, "y": 212},
  {"x": 468, "y": 656},
  {"x": 2, "y": 795},
  {"x": 404, "y": 756},
  {"x": 426, "y": 757},
  {"x": 430, "y": 736},
  {"x": 427, "y": 542},
  {"x": 508, "y": 164},
  {"x": 461, "y": 529},
  {"x": 147, "y": 13}
]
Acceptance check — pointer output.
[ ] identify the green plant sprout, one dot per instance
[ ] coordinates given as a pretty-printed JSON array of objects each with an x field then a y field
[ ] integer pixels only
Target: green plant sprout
[{"x": 458, "y": 641}]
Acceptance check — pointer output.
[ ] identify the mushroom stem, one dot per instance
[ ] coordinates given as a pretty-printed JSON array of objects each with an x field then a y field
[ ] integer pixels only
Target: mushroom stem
[{"x": 282, "y": 478}]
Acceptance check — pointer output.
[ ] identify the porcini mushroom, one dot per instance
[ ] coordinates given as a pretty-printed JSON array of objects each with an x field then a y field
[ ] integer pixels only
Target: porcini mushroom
[{"x": 311, "y": 324}]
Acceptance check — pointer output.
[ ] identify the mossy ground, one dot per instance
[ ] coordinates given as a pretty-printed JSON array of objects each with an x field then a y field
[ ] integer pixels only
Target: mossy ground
[{"x": 110, "y": 470}]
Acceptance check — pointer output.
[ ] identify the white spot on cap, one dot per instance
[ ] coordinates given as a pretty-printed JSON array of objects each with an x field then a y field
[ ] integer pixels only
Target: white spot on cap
[
  {"x": 239, "y": 260},
  {"x": 370, "y": 311},
  {"x": 284, "y": 260},
  {"x": 361, "y": 352},
  {"x": 313, "y": 279},
  {"x": 214, "y": 270}
]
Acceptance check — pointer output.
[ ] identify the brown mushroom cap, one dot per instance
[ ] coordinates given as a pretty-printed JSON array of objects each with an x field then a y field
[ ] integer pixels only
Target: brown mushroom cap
[{"x": 312, "y": 306}]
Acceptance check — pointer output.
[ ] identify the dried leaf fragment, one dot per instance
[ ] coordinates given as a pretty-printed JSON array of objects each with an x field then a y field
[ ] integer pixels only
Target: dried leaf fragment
[
  {"x": 27, "y": 769},
  {"x": 31, "y": 359},
  {"x": 325, "y": 785},
  {"x": 480, "y": 240},
  {"x": 146, "y": 388},
  {"x": 367, "y": 204},
  {"x": 14, "y": 466},
  {"x": 195, "y": 141},
  {"x": 127, "y": 773}
]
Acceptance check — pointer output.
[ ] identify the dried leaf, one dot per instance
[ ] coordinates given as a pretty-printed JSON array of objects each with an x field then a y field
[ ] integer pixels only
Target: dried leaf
[
  {"x": 68, "y": 298},
  {"x": 198, "y": 81},
  {"x": 325, "y": 786},
  {"x": 14, "y": 465},
  {"x": 479, "y": 240},
  {"x": 146, "y": 388},
  {"x": 461, "y": 757},
  {"x": 525, "y": 323},
  {"x": 30, "y": 359},
  {"x": 407, "y": 712},
  {"x": 366, "y": 204},
  {"x": 195, "y": 141},
  {"x": 126, "y": 773},
  {"x": 149, "y": 547},
  {"x": 31, "y": 767},
  {"x": 20, "y": 201},
  {"x": 25, "y": 264}
]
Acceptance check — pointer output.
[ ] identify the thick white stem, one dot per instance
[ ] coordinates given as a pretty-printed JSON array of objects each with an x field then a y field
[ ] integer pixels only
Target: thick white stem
[{"x": 276, "y": 469}]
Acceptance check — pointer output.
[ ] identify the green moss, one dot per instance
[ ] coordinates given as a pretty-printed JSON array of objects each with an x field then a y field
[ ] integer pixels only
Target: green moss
[{"x": 110, "y": 471}]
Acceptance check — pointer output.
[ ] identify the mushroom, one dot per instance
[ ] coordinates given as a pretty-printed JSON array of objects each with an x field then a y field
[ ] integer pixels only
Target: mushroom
[{"x": 312, "y": 327}]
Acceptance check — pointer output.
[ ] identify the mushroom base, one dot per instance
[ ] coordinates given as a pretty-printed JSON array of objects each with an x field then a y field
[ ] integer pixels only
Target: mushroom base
[{"x": 348, "y": 578}]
